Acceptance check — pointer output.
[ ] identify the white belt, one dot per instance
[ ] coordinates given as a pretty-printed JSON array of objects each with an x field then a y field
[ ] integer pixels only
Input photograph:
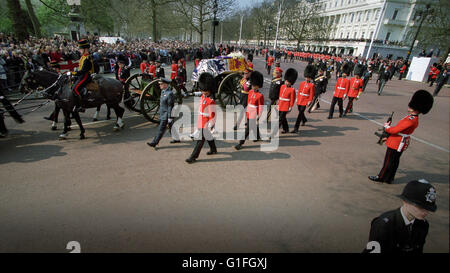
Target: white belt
[
  {"x": 203, "y": 114},
  {"x": 304, "y": 95},
  {"x": 253, "y": 106},
  {"x": 283, "y": 99},
  {"x": 342, "y": 88},
  {"x": 402, "y": 142},
  {"x": 174, "y": 71}
]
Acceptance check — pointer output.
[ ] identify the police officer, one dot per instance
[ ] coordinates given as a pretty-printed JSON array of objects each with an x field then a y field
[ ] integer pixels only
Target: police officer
[
  {"x": 405, "y": 229},
  {"x": 83, "y": 75},
  {"x": 400, "y": 135},
  {"x": 167, "y": 103},
  {"x": 206, "y": 116}
]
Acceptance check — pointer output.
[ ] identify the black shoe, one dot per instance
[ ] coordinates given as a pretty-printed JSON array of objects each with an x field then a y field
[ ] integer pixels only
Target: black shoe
[
  {"x": 108, "y": 118},
  {"x": 174, "y": 141},
  {"x": 294, "y": 132},
  {"x": 376, "y": 179},
  {"x": 211, "y": 153},
  {"x": 48, "y": 118},
  {"x": 79, "y": 109},
  {"x": 190, "y": 160},
  {"x": 330, "y": 117},
  {"x": 151, "y": 144},
  {"x": 284, "y": 132},
  {"x": 94, "y": 120},
  {"x": 341, "y": 115},
  {"x": 303, "y": 123},
  {"x": 235, "y": 127},
  {"x": 238, "y": 147},
  {"x": 54, "y": 128}
]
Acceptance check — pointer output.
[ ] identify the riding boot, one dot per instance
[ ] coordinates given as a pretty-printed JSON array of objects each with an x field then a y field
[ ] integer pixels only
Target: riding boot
[{"x": 78, "y": 103}]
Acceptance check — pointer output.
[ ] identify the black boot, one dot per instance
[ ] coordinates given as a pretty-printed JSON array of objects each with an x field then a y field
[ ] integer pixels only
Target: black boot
[{"x": 78, "y": 104}]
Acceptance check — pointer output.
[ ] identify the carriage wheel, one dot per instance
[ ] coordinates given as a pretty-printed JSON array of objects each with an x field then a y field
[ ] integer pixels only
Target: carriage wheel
[
  {"x": 229, "y": 90},
  {"x": 150, "y": 99},
  {"x": 134, "y": 86}
]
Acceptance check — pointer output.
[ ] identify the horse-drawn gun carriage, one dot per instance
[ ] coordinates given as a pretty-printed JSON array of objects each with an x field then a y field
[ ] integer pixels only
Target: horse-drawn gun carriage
[
  {"x": 142, "y": 92},
  {"x": 228, "y": 72}
]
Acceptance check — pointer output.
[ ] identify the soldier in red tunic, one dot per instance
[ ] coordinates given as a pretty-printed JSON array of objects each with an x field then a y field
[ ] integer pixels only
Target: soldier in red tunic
[
  {"x": 305, "y": 96},
  {"x": 400, "y": 135},
  {"x": 206, "y": 116},
  {"x": 286, "y": 99},
  {"x": 254, "y": 107},
  {"x": 356, "y": 88},
  {"x": 340, "y": 92}
]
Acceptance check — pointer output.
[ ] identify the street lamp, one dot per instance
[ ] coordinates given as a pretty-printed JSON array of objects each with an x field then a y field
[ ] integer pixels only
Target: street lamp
[
  {"x": 423, "y": 15},
  {"x": 214, "y": 22}
]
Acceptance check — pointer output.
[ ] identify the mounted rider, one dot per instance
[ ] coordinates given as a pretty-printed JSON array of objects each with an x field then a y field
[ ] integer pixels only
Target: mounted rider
[{"x": 83, "y": 75}]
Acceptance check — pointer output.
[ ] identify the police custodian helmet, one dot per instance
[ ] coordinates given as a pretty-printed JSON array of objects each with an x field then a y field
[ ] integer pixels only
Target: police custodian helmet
[{"x": 420, "y": 193}]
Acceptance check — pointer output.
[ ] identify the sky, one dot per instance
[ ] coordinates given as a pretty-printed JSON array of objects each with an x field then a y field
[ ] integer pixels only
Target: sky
[{"x": 246, "y": 3}]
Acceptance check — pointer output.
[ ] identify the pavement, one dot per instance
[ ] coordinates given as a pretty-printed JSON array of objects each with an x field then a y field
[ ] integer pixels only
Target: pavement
[{"x": 112, "y": 193}]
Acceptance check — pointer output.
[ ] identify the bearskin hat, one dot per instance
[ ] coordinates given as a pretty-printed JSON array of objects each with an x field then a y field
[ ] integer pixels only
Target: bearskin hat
[
  {"x": 207, "y": 82},
  {"x": 291, "y": 75},
  {"x": 83, "y": 43},
  {"x": 122, "y": 59},
  {"x": 346, "y": 69},
  {"x": 152, "y": 58},
  {"x": 323, "y": 67},
  {"x": 256, "y": 78},
  {"x": 359, "y": 70},
  {"x": 421, "y": 101},
  {"x": 310, "y": 71},
  {"x": 198, "y": 55},
  {"x": 250, "y": 57}
]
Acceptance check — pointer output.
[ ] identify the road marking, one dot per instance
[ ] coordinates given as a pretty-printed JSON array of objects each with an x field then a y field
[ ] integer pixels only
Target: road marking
[{"x": 382, "y": 124}]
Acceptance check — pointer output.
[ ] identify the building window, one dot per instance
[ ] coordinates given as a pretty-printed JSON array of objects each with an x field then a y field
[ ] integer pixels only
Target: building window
[
  {"x": 335, "y": 4},
  {"x": 387, "y": 36},
  {"x": 353, "y": 16},
  {"x": 377, "y": 14},
  {"x": 354, "y": 35},
  {"x": 368, "y": 16},
  {"x": 362, "y": 35},
  {"x": 371, "y": 34},
  {"x": 342, "y": 3},
  {"x": 349, "y": 2},
  {"x": 359, "y": 16},
  {"x": 344, "y": 18},
  {"x": 342, "y": 34},
  {"x": 348, "y": 35},
  {"x": 395, "y": 14}
]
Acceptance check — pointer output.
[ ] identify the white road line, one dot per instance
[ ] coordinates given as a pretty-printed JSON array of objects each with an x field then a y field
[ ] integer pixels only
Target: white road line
[{"x": 413, "y": 137}]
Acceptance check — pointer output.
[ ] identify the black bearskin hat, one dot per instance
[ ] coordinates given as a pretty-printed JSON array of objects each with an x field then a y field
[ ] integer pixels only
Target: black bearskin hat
[
  {"x": 198, "y": 55},
  {"x": 250, "y": 57},
  {"x": 256, "y": 78},
  {"x": 310, "y": 71},
  {"x": 207, "y": 82},
  {"x": 291, "y": 75},
  {"x": 323, "y": 67},
  {"x": 83, "y": 43},
  {"x": 359, "y": 70},
  {"x": 122, "y": 59},
  {"x": 346, "y": 69},
  {"x": 421, "y": 101},
  {"x": 152, "y": 58}
]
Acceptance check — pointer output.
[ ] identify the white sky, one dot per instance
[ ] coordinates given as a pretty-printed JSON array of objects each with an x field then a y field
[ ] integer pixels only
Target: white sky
[{"x": 246, "y": 3}]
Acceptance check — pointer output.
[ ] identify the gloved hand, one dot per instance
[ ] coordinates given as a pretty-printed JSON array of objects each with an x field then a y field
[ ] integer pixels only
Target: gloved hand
[
  {"x": 69, "y": 73},
  {"x": 290, "y": 108},
  {"x": 357, "y": 97},
  {"x": 387, "y": 125}
]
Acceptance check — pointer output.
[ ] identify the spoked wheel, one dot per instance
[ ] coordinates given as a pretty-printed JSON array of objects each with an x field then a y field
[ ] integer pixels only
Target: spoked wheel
[
  {"x": 150, "y": 100},
  {"x": 134, "y": 87},
  {"x": 229, "y": 90}
]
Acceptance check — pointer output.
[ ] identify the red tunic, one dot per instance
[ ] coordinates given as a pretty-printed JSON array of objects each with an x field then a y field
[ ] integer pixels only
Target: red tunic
[
  {"x": 173, "y": 73},
  {"x": 270, "y": 61},
  {"x": 305, "y": 93},
  {"x": 342, "y": 87},
  {"x": 255, "y": 104},
  {"x": 206, "y": 112},
  {"x": 286, "y": 99},
  {"x": 400, "y": 134},
  {"x": 152, "y": 70},
  {"x": 356, "y": 86},
  {"x": 144, "y": 68}
]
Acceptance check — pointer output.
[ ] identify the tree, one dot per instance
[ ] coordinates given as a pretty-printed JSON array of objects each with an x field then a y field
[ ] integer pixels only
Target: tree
[
  {"x": 198, "y": 12},
  {"x": 301, "y": 20},
  {"x": 16, "y": 15},
  {"x": 34, "y": 19},
  {"x": 434, "y": 31}
]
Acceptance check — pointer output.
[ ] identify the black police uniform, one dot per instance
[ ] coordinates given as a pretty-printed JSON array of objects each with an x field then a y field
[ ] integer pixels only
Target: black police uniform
[
  {"x": 394, "y": 236},
  {"x": 320, "y": 83}
]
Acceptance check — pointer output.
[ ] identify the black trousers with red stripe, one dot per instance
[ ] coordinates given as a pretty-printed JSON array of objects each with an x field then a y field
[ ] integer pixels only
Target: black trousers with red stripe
[
  {"x": 390, "y": 165},
  {"x": 81, "y": 82}
]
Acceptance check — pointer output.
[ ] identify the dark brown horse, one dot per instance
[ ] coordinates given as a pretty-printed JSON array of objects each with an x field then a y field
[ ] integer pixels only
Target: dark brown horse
[{"x": 58, "y": 88}]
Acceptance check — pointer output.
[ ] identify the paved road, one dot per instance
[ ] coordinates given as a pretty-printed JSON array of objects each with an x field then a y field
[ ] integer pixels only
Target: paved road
[{"x": 112, "y": 193}]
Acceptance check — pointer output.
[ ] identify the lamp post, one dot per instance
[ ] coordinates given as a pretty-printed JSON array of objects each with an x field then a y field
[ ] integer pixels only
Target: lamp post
[
  {"x": 215, "y": 22},
  {"x": 278, "y": 25},
  {"x": 423, "y": 15}
]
